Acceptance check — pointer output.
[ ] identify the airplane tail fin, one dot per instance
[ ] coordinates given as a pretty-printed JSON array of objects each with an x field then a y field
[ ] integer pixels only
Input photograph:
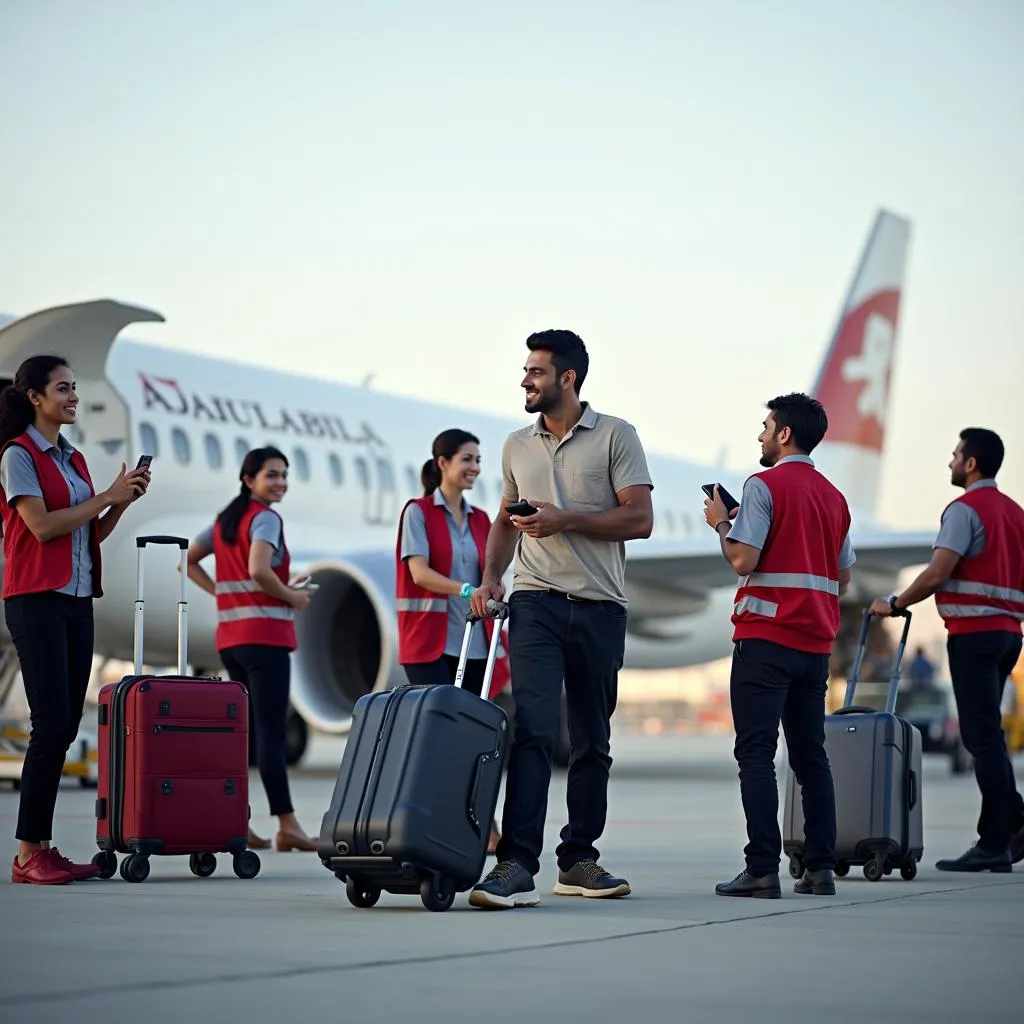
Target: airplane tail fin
[{"x": 853, "y": 382}]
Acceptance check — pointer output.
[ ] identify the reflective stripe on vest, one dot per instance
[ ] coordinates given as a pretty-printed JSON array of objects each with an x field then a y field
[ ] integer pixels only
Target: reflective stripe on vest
[
  {"x": 791, "y": 580},
  {"x": 250, "y": 611},
  {"x": 975, "y": 611},
  {"x": 421, "y": 604}
]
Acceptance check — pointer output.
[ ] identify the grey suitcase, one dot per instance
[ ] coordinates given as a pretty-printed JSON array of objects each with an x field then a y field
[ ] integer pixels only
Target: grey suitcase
[
  {"x": 875, "y": 758},
  {"x": 417, "y": 788}
]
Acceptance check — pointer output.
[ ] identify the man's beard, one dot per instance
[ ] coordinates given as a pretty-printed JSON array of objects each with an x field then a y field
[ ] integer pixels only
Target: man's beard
[
  {"x": 958, "y": 478},
  {"x": 545, "y": 403}
]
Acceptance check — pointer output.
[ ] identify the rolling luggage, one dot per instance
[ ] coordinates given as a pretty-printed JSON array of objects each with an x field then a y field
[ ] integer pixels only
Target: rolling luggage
[
  {"x": 876, "y": 772},
  {"x": 417, "y": 788},
  {"x": 173, "y": 761}
]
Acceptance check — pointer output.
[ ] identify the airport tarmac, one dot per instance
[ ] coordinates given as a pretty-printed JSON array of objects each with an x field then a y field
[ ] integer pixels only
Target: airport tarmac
[{"x": 944, "y": 947}]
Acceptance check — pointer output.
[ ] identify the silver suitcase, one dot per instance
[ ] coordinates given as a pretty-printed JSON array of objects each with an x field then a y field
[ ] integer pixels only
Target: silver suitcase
[{"x": 875, "y": 758}]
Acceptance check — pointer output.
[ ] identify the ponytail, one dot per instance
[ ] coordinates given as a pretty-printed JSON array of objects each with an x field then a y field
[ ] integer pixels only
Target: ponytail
[
  {"x": 16, "y": 411},
  {"x": 430, "y": 477}
]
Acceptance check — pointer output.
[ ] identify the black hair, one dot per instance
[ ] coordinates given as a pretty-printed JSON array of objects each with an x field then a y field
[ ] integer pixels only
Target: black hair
[
  {"x": 805, "y": 417},
  {"x": 232, "y": 513},
  {"x": 567, "y": 352},
  {"x": 446, "y": 445},
  {"x": 985, "y": 447},
  {"x": 17, "y": 413}
]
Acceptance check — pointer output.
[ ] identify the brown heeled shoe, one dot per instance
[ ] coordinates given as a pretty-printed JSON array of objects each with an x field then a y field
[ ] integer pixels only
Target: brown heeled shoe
[
  {"x": 286, "y": 841},
  {"x": 256, "y": 843}
]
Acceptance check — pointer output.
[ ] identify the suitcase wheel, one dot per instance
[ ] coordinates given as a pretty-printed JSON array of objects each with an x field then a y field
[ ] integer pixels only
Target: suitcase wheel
[
  {"x": 202, "y": 864},
  {"x": 909, "y": 871},
  {"x": 246, "y": 864},
  {"x": 796, "y": 866},
  {"x": 106, "y": 862},
  {"x": 437, "y": 895},
  {"x": 135, "y": 868},
  {"x": 842, "y": 869},
  {"x": 360, "y": 894},
  {"x": 874, "y": 869}
]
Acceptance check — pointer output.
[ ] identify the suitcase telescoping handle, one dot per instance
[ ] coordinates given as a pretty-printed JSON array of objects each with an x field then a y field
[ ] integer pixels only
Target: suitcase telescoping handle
[
  {"x": 894, "y": 679},
  {"x": 499, "y": 611},
  {"x": 182, "y": 545}
]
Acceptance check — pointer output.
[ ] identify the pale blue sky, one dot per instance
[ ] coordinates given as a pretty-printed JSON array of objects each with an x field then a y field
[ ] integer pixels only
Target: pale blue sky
[{"x": 410, "y": 189}]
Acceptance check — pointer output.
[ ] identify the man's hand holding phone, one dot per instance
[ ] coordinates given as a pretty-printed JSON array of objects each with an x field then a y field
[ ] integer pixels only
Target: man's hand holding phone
[
  {"x": 719, "y": 505},
  {"x": 536, "y": 518}
]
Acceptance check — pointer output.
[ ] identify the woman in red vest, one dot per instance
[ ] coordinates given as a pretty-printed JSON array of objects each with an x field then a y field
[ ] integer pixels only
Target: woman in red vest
[
  {"x": 256, "y": 608},
  {"x": 53, "y": 529},
  {"x": 441, "y": 545}
]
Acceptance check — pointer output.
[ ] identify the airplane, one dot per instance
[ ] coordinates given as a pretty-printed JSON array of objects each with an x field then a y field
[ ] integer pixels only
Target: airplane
[{"x": 354, "y": 458}]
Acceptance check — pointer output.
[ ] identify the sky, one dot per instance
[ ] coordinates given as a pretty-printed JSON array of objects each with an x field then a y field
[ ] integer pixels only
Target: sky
[{"x": 410, "y": 189}]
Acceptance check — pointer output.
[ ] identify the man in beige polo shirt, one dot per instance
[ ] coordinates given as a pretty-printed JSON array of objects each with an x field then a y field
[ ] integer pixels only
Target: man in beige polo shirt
[{"x": 586, "y": 475}]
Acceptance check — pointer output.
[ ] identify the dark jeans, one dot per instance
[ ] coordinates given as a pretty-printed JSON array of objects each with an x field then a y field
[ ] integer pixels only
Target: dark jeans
[
  {"x": 266, "y": 673},
  {"x": 432, "y": 673},
  {"x": 551, "y": 640},
  {"x": 979, "y": 664},
  {"x": 53, "y": 635},
  {"x": 771, "y": 683}
]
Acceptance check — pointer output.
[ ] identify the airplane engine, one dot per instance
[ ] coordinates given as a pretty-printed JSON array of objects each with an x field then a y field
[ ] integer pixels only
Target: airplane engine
[{"x": 347, "y": 640}]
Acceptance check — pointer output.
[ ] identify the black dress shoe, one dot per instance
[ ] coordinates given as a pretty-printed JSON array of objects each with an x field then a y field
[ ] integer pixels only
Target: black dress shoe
[
  {"x": 764, "y": 887},
  {"x": 977, "y": 859},
  {"x": 1017, "y": 845},
  {"x": 816, "y": 883}
]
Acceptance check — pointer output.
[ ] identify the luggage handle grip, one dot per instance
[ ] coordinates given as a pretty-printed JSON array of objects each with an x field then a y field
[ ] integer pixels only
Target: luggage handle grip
[
  {"x": 894, "y": 680},
  {"x": 855, "y": 709},
  {"x": 474, "y": 793},
  {"x": 911, "y": 790},
  {"x": 162, "y": 538},
  {"x": 499, "y": 610}
]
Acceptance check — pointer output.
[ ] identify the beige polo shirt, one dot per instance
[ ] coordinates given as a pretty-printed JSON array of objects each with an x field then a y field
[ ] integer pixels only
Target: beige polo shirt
[{"x": 598, "y": 457}]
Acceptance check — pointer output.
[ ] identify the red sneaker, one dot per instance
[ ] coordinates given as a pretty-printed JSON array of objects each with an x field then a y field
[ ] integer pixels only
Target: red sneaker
[
  {"x": 40, "y": 869},
  {"x": 79, "y": 872}
]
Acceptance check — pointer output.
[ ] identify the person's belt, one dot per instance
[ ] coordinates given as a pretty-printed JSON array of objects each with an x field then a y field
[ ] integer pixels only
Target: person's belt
[{"x": 574, "y": 598}]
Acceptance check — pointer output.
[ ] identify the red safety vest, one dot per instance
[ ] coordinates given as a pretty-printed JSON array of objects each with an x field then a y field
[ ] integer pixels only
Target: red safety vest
[
  {"x": 30, "y": 565},
  {"x": 422, "y": 614},
  {"x": 793, "y": 596},
  {"x": 986, "y": 592},
  {"x": 245, "y": 614}
]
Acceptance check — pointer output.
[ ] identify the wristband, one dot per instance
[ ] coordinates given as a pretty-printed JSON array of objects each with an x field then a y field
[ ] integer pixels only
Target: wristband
[{"x": 466, "y": 590}]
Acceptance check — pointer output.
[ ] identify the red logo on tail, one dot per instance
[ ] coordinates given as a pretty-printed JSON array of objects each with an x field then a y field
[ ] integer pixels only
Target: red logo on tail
[{"x": 855, "y": 384}]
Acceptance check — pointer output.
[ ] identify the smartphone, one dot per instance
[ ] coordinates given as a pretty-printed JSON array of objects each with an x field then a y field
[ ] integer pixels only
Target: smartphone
[
  {"x": 144, "y": 461},
  {"x": 520, "y": 508},
  {"x": 729, "y": 501}
]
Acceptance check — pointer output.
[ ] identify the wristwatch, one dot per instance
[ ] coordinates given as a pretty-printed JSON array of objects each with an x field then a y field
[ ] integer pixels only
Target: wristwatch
[{"x": 892, "y": 604}]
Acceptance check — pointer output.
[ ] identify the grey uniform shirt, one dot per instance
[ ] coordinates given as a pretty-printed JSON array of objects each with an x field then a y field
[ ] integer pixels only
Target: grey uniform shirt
[
  {"x": 961, "y": 529},
  {"x": 754, "y": 519},
  {"x": 465, "y": 567},
  {"x": 583, "y": 472},
  {"x": 19, "y": 480},
  {"x": 265, "y": 525}
]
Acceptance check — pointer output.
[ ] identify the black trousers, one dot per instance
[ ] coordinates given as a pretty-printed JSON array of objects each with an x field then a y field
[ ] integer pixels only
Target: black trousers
[
  {"x": 551, "y": 640},
  {"x": 53, "y": 636},
  {"x": 771, "y": 683},
  {"x": 979, "y": 664},
  {"x": 433, "y": 673},
  {"x": 266, "y": 673}
]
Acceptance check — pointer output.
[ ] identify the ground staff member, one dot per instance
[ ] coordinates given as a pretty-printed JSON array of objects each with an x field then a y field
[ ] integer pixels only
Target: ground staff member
[
  {"x": 790, "y": 543},
  {"x": 977, "y": 576},
  {"x": 52, "y": 534},
  {"x": 255, "y": 621},
  {"x": 441, "y": 545},
  {"x": 586, "y": 474}
]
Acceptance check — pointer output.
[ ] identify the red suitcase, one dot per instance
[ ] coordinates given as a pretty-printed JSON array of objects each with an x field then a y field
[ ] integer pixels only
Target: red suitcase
[{"x": 173, "y": 761}]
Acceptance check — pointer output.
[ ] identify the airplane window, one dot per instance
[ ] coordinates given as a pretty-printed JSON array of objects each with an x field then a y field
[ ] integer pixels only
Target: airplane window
[
  {"x": 412, "y": 480},
  {"x": 241, "y": 449},
  {"x": 363, "y": 473},
  {"x": 301, "y": 464},
  {"x": 182, "y": 449},
  {"x": 334, "y": 468},
  {"x": 148, "y": 440},
  {"x": 213, "y": 452}
]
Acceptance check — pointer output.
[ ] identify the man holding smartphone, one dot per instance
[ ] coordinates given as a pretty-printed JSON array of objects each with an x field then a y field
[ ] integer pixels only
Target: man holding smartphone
[
  {"x": 585, "y": 479},
  {"x": 789, "y": 541}
]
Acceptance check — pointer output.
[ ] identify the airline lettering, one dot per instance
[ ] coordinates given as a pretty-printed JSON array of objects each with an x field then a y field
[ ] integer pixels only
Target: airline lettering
[{"x": 167, "y": 394}]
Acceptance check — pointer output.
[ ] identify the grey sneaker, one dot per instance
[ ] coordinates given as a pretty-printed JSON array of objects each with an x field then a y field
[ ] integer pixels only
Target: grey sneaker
[
  {"x": 507, "y": 885},
  {"x": 588, "y": 878}
]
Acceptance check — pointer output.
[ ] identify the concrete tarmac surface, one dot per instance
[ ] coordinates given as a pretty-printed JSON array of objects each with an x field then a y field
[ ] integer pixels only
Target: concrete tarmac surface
[{"x": 288, "y": 946}]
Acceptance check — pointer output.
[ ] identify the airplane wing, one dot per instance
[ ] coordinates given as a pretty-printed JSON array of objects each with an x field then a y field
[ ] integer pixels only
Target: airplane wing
[{"x": 696, "y": 566}]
